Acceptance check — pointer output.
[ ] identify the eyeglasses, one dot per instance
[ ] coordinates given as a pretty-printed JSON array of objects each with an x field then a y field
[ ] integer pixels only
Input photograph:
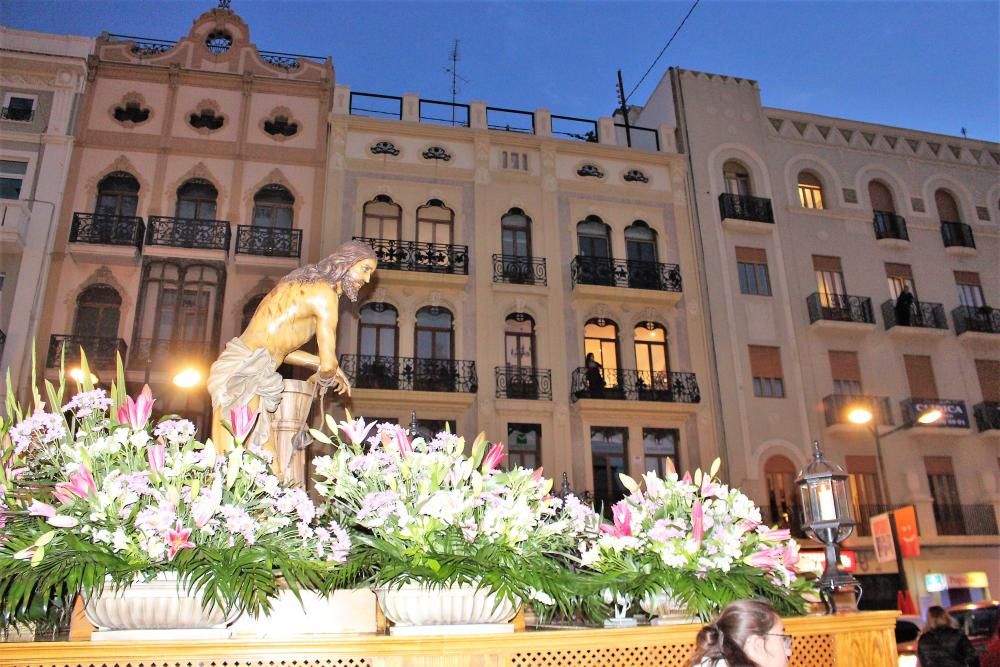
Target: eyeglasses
[{"x": 786, "y": 639}]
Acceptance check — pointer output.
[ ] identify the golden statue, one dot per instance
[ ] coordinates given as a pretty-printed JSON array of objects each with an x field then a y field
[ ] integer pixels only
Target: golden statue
[{"x": 303, "y": 304}]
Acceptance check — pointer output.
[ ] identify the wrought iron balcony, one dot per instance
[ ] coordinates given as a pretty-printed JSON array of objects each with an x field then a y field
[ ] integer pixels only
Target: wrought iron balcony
[
  {"x": 100, "y": 351},
  {"x": 957, "y": 234},
  {"x": 519, "y": 270},
  {"x": 631, "y": 385},
  {"x": 268, "y": 241},
  {"x": 890, "y": 226},
  {"x": 530, "y": 383},
  {"x": 156, "y": 352},
  {"x": 922, "y": 314},
  {"x": 840, "y": 308},
  {"x": 965, "y": 519},
  {"x": 836, "y": 407},
  {"x": 123, "y": 230},
  {"x": 981, "y": 319},
  {"x": 987, "y": 416},
  {"x": 421, "y": 257},
  {"x": 188, "y": 233},
  {"x": 625, "y": 273},
  {"x": 745, "y": 207},
  {"x": 410, "y": 374}
]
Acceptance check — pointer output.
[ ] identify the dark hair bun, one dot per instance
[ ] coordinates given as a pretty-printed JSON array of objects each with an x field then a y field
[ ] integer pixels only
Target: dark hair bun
[{"x": 710, "y": 640}]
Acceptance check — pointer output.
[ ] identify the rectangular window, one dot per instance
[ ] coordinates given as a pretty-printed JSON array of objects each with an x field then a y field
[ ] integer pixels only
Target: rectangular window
[
  {"x": 765, "y": 368},
  {"x": 18, "y": 108},
  {"x": 944, "y": 490},
  {"x": 524, "y": 446},
  {"x": 866, "y": 490},
  {"x": 829, "y": 281},
  {"x": 988, "y": 371},
  {"x": 970, "y": 290},
  {"x": 751, "y": 265},
  {"x": 846, "y": 372},
  {"x": 513, "y": 160},
  {"x": 608, "y": 454},
  {"x": 12, "y": 173},
  {"x": 920, "y": 376},
  {"x": 660, "y": 447},
  {"x": 899, "y": 276}
]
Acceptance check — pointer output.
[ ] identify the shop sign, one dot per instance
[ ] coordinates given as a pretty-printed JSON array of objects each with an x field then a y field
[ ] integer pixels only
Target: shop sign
[
  {"x": 954, "y": 413},
  {"x": 885, "y": 550},
  {"x": 937, "y": 582},
  {"x": 906, "y": 531}
]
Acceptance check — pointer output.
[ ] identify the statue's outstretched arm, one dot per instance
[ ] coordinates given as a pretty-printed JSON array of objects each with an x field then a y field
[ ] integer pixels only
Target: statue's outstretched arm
[{"x": 302, "y": 358}]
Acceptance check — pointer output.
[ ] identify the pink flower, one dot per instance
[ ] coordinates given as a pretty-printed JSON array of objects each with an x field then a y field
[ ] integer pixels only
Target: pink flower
[
  {"x": 775, "y": 535},
  {"x": 670, "y": 469},
  {"x": 41, "y": 509},
  {"x": 791, "y": 556},
  {"x": 765, "y": 559},
  {"x": 136, "y": 413},
  {"x": 403, "y": 442},
  {"x": 493, "y": 457},
  {"x": 243, "y": 419},
  {"x": 710, "y": 489},
  {"x": 177, "y": 538},
  {"x": 80, "y": 484},
  {"x": 155, "y": 454},
  {"x": 537, "y": 475},
  {"x": 356, "y": 431},
  {"x": 687, "y": 477},
  {"x": 622, "y": 517},
  {"x": 697, "y": 524}
]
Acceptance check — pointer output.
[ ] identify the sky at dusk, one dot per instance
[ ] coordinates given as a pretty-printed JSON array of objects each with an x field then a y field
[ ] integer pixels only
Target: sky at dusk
[{"x": 932, "y": 66}]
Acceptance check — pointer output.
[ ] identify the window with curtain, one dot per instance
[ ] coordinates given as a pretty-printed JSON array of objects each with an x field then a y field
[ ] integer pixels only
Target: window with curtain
[
  {"x": 594, "y": 238},
  {"x": 519, "y": 337},
  {"x": 117, "y": 195},
  {"x": 515, "y": 234},
  {"x": 273, "y": 206},
  {"x": 382, "y": 218},
  {"x": 900, "y": 276},
  {"x": 810, "y": 190},
  {"x": 970, "y": 289},
  {"x": 737, "y": 178},
  {"x": 435, "y": 223},
  {"x": 830, "y": 281},
  {"x": 651, "y": 355},
  {"x": 601, "y": 340}
]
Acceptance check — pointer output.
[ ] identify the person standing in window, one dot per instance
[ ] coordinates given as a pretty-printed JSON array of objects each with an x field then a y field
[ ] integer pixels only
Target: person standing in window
[
  {"x": 595, "y": 376},
  {"x": 943, "y": 645},
  {"x": 904, "y": 303}
]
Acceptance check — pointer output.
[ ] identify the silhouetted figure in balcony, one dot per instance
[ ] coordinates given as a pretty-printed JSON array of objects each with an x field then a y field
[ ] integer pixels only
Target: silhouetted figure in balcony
[
  {"x": 904, "y": 304},
  {"x": 595, "y": 377}
]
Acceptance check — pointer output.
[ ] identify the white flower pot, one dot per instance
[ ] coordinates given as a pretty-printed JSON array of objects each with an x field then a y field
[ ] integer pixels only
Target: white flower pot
[
  {"x": 343, "y": 611},
  {"x": 419, "y": 610},
  {"x": 158, "y": 609}
]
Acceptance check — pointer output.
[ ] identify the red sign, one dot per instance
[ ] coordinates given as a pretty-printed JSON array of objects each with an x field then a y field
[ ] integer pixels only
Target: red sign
[{"x": 906, "y": 531}]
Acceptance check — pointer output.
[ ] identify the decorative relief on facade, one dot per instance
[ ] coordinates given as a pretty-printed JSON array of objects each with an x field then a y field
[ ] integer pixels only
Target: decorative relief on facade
[
  {"x": 132, "y": 110},
  {"x": 918, "y": 204},
  {"x": 207, "y": 117},
  {"x": 384, "y": 148},
  {"x": 983, "y": 213},
  {"x": 850, "y": 195},
  {"x": 436, "y": 153},
  {"x": 590, "y": 170},
  {"x": 635, "y": 176},
  {"x": 280, "y": 124}
]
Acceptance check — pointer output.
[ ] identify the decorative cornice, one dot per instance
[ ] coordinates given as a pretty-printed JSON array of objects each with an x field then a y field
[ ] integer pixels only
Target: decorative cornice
[
  {"x": 436, "y": 153},
  {"x": 384, "y": 148}
]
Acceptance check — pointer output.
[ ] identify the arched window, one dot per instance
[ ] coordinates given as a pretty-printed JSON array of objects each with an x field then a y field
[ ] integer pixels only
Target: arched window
[
  {"x": 810, "y": 190},
  {"x": 98, "y": 312},
  {"x": 947, "y": 206},
  {"x": 515, "y": 234},
  {"x": 651, "y": 360},
  {"x": 249, "y": 309},
  {"x": 640, "y": 249},
  {"x": 737, "y": 178},
  {"x": 382, "y": 219},
  {"x": 594, "y": 237},
  {"x": 600, "y": 338},
  {"x": 519, "y": 356},
  {"x": 196, "y": 200},
  {"x": 881, "y": 197},
  {"x": 378, "y": 330},
  {"x": 273, "y": 206},
  {"x": 118, "y": 195},
  {"x": 435, "y": 223},
  {"x": 782, "y": 496},
  {"x": 434, "y": 344}
]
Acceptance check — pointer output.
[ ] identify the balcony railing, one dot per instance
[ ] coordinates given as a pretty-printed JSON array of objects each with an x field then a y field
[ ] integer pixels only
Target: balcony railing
[
  {"x": 837, "y": 406},
  {"x": 157, "y": 352},
  {"x": 631, "y": 385},
  {"x": 981, "y": 319},
  {"x": 18, "y": 114},
  {"x": 268, "y": 241},
  {"x": 840, "y": 308},
  {"x": 965, "y": 519},
  {"x": 102, "y": 228},
  {"x": 519, "y": 270},
  {"x": 890, "y": 226},
  {"x": 987, "y": 416},
  {"x": 745, "y": 207},
  {"x": 625, "y": 273},
  {"x": 420, "y": 257},
  {"x": 530, "y": 383},
  {"x": 922, "y": 314},
  {"x": 410, "y": 374},
  {"x": 957, "y": 234},
  {"x": 866, "y": 511},
  {"x": 100, "y": 351},
  {"x": 188, "y": 233}
]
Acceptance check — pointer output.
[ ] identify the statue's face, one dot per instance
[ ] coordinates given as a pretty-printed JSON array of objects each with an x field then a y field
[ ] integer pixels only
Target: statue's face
[{"x": 360, "y": 274}]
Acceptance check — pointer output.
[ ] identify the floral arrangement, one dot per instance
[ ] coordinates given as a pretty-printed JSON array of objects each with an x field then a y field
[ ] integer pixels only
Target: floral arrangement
[
  {"x": 92, "y": 490},
  {"x": 424, "y": 512},
  {"x": 695, "y": 541}
]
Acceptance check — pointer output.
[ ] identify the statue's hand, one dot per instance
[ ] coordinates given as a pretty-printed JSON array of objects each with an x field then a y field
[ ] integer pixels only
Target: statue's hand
[{"x": 338, "y": 382}]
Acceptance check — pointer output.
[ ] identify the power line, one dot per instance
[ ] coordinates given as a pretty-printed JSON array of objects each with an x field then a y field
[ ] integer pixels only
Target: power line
[{"x": 663, "y": 50}]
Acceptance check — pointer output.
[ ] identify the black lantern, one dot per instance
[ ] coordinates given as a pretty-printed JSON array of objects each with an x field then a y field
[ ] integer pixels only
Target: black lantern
[{"x": 827, "y": 518}]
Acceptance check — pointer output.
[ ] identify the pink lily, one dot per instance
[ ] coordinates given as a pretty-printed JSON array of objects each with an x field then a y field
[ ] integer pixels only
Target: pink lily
[
  {"x": 243, "y": 420},
  {"x": 493, "y": 457},
  {"x": 765, "y": 559},
  {"x": 775, "y": 535},
  {"x": 687, "y": 477},
  {"x": 709, "y": 489},
  {"x": 791, "y": 556},
  {"x": 537, "y": 475},
  {"x": 403, "y": 442},
  {"x": 697, "y": 524},
  {"x": 80, "y": 484},
  {"x": 671, "y": 470},
  {"x": 356, "y": 431},
  {"x": 155, "y": 454},
  {"x": 622, "y": 517},
  {"x": 41, "y": 509},
  {"x": 177, "y": 538},
  {"x": 136, "y": 413}
]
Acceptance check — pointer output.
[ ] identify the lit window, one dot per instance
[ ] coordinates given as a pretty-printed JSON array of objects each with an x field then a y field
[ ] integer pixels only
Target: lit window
[{"x": 810, "y": 191}]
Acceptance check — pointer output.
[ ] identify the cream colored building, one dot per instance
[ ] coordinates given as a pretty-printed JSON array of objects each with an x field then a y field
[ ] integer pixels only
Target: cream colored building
[
  {"x": 809, "y": 227},
  {"x": 42, "y": 78}
]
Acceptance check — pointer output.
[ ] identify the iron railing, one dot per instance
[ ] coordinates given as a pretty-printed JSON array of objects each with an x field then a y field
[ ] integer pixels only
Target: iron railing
[
  {"x": 965, "y": 519},
  {"x": 922, "y": 314},
  {"x": 745, "y": 207},
  {"x": 625, "y": 273},
  {"x": 530, "y": 383},
  {"x": 836, "y": 407},
  {"x": 632, "y": 385},
  {"x": 420, "y": 257},
  {"x": 840, "y": 308},
  {"x": 100, "y": 351},
  {"x": 510, "y": 120},
  {"x": 125, "y": 230},
  {"x": 410, "y": 374},
  {"x": 21, "y": 115},
  {"x": 888, "y": 225},
  {"x": 444, "y": 113},
  {"x": 188, "y": 233},
  {"x": 268, "y": 241},
  {"x": 374, "y": 105},
  {"x": 569, "y": 127},
  {"x": 987, "y": 416},
  {"x": 156, "y": 352},
  {"x": 146, "y": 46},
  {"x": 982, "y": 319},
  {"x": 957, "y": 234},
  {"x": 519, "y": 270}
]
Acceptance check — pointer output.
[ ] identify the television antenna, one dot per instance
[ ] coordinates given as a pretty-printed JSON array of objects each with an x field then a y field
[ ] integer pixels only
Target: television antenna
[{"x": 455, "y": 78}]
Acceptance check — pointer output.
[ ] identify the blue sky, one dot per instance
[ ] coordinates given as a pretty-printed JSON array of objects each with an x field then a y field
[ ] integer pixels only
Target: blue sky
[{"x": 932, "y": 66}]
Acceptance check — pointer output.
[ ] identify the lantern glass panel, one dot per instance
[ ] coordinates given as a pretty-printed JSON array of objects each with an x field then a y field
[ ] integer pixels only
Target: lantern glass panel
[{"x": 842, "y": 495}]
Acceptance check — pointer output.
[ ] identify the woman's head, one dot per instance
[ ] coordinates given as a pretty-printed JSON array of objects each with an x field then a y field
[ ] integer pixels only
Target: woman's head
[
  {"x": 747, "y": 633},
  {"x": 937, "y": 617}
]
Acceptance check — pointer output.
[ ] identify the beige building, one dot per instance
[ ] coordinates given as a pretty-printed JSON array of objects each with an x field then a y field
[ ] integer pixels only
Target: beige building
[
  {"x": 42, "y": 78},
  {"x": 810, "y": 227}
]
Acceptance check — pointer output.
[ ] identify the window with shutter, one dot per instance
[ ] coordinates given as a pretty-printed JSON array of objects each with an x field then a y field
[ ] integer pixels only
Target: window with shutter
[
  {"x": 846, "y": 372},
  {"x": 765, "y": 368},
  {"x": 988, "y": 371},
  {"x": 920, "y": 375}
]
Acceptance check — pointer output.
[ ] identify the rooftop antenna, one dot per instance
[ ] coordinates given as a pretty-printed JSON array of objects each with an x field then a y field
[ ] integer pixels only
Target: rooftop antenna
[
  {"x": 965, "y": 133},
  {"x": 455, "y": 78},
  {"x": 224, "y": 4}
]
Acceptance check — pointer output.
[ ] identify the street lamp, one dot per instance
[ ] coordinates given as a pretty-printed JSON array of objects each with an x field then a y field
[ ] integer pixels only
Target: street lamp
[
  {"x": 187, "y": 378},
  {"x": 77, "y": 374}
]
